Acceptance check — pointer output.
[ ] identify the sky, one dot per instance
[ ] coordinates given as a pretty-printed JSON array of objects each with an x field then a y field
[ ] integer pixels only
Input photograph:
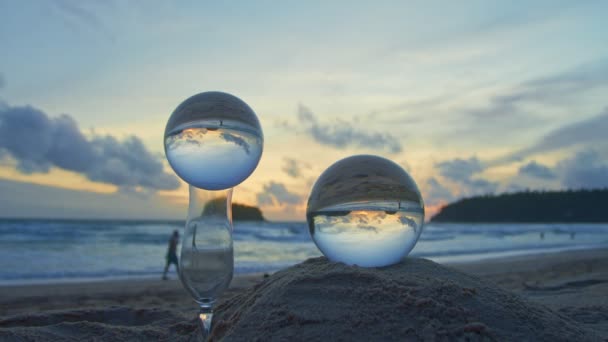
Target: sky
[{"x": 470, "y": 97}]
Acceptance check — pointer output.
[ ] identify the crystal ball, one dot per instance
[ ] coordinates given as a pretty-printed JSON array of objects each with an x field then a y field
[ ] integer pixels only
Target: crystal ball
[
  {"x": 365, "y": 210},
  {"x": 213, "y": 141}
]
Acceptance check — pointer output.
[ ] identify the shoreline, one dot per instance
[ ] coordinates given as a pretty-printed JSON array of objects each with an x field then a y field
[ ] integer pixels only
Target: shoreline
[
  {"x": 481, "y": 267},
  {"x": 512, "y": 254},
  {"x": 444, "y": 260}
]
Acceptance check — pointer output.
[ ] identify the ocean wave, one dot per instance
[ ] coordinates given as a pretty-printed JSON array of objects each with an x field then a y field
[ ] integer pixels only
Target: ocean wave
[
  {"x": 477, "y": 251},
  {"x": 47, "y": 250}
]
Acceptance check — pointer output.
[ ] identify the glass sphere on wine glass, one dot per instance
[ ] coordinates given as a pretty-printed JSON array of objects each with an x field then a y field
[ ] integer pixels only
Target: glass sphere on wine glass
[
  {"x": 213, "y": 141},
  {"x": 365, "y": 210}
]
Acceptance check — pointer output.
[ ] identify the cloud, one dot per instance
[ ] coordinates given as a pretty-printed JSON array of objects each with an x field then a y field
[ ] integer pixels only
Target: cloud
[
  {"x": 585, "y": 131},
  {"x": 293, "y": 168},
  {"x": 2, "y": 81},
  {"x": 586, "y": 169},
  {"x": 553, "y": 90},
  {"x": 534, "y": 169},
  {"x": 86, "y": 14},
  {"x": 275, "y": 193},
  {"x": 342, "y": 134},
  {"x": 479, "y": 186},
  {"x": 588, "y": 131},
  {"x": 476, "y": 114},
  {"x": 459, "y": 169},
  {"x": 437, "y": 192},
  {"x": 581, "y": 78},
  {"x": 38, "y": 143},
  {"x": 76, "y": 10},
  {"x": 509, "y": 105},
  {"x": 458, "y": 118}
]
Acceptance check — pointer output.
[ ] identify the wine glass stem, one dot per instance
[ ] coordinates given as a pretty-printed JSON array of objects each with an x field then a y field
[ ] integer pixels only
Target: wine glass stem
[{"x": 205, "y": 317}]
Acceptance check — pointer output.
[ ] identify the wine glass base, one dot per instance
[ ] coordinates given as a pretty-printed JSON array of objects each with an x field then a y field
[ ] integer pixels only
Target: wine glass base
[{"x": 205, "y": 317}]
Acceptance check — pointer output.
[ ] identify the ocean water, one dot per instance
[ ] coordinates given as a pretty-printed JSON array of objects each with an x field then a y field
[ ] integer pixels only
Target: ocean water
[
  {"x": 63, "y": 250},
  {"x": 206, "y": 259}
]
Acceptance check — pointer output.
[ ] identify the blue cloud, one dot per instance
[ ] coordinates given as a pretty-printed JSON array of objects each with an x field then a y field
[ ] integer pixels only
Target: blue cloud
[
  {"x": 293, "y": 168},
  {"x": 586, "y": 169},
  {"x": 277, "y": 193},
  {"x": 343, "y": 134},
  {"x": 479, "y": 186},
  {"x": 550, "y": 90},
  {"x": 437, "y": 192},
  {"x": 534, "y": 169},
  {"x": 39, "y": 143},
  {"x": 459, "y": 169},
  {"x": 585, "y": 132}
]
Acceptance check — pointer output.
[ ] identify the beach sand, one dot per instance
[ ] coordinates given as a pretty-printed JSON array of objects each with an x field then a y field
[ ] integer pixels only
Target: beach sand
[{"x": 551, "y": 296}]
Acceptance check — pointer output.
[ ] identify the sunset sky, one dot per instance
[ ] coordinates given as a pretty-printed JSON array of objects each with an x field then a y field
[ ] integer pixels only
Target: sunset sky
[{"x": 470, "y": 97}]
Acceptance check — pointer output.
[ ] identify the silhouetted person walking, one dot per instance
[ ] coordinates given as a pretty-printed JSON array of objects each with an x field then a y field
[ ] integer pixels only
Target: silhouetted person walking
[{"x": 172, "y": 253}]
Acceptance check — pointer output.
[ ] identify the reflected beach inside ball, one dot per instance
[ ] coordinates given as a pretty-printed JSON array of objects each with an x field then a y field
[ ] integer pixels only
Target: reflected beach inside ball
[
  {"x": 365, "y": 210},
  {"x": 213, "y": 141}
]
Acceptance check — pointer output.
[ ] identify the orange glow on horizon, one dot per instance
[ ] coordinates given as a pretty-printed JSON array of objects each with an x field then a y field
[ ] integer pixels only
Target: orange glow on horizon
[
  {"x": 58, "y": 178},
  {"x": 432, "y": 210}
]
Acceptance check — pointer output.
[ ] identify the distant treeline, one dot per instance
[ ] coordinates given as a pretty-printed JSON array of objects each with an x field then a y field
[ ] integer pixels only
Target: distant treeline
[
  {"x": 240, "y": 212},
  {"x": 530, "y": 206}
]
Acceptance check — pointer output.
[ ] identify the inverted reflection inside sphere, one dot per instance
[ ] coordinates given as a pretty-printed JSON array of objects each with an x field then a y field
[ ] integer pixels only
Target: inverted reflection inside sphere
[
  {"x": 213, "y": 141},
  {"x": 365, "y": 210}
]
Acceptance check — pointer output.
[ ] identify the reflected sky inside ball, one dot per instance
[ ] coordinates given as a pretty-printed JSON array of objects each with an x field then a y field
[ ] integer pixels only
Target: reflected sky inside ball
[{"x": 213, "y": 141}]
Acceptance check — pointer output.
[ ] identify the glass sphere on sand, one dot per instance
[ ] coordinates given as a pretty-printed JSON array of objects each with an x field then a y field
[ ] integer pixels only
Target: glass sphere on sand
[{"x": 365, "y": 210}]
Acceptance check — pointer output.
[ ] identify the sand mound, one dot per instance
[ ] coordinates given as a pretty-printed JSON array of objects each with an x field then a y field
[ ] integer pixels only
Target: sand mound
[
  {"x": 319, "y": 300},
  {"x": 108, "y": 324},
  {"x": 414, "y": 300}
]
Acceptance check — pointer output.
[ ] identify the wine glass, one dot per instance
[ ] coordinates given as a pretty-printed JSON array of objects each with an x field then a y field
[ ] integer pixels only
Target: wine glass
[
  {"x": 207, "y": 259},
  {"x": 213, "y": 141}
]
